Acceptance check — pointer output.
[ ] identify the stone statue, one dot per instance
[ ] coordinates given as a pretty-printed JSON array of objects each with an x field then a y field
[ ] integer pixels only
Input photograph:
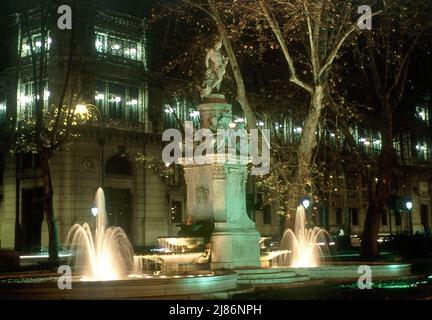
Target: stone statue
[{"x": 215, "y": 63}]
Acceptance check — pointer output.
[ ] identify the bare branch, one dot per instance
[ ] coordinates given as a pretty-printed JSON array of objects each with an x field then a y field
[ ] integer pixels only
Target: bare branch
[
  {"x": 276, "y": 29},
  {"x": 329, "y": 61}
]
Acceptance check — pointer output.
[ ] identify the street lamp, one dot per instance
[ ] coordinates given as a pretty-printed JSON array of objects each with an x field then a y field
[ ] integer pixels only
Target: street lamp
[
  {"x": 83, "y": 109},
  {"x": 306, "y": 203},
  {"x": 95, "y": 211},
  {"x": 409, "y": 206}
]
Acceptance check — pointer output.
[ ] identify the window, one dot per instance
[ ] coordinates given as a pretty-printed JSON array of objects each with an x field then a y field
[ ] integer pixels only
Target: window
[
  {"x": 179, "y": 111},
  {"x": 424, "y": 213},
  {"x": 267, "y": 214},
  {"x": 397, "y": 148},
  {"x": 297, "y": 132},
  {"x": 423, "y": 188},
  {"x": 37, "y": 45},
  {"x": 2, "y": 110},
  {"x": 354, "y": 216},
  {"x": 118, "y": 101},
  {"x": 176, "y": 212},
  {"x": 339, "y": 219},
  {"x": 132, "y": 104},
  {"x": 119, "y": 208},
  {"x": 26, "y": 99},
  {"x": 119, "y": 165},
  {"x": 384, "y": 218},
  {"x": 422, "y": 113},
  {"x": 117, "y": 46},
  {"x": 28, "y": 161},
  {"x": 370, "y": 140},
  {"x": 422, "y": 149},
  {"x": 398, "y": 219}
]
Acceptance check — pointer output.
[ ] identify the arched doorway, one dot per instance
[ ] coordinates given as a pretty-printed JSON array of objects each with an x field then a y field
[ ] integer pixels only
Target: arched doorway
[{"x": 119, "y": 175}]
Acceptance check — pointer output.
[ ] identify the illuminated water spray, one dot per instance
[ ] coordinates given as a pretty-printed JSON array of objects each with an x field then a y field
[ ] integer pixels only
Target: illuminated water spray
[
  {"x": 106, "y": 255},
  {"x": 304, "y": 243}
]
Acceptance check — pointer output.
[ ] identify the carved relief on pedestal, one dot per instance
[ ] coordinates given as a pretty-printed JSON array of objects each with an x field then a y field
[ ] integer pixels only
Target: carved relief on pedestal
[
  {"x": 200, "y": 203},
  {"x": 202, "y": 195},
  {"x": 219, "y": 172},
  {"x": 214, "y": 116}
]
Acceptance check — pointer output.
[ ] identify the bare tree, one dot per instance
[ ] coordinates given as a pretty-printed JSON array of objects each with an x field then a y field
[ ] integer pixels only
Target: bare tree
[
  {"x": 322, "y": 28},
  {"x": 383, "y": 58},
  {"x": 52, "y": 124}
]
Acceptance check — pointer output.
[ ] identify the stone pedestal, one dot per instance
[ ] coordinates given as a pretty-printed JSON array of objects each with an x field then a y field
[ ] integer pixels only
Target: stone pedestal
[
  {"x": 235, "y": 249},
  {"x": 216, "y": 192}
]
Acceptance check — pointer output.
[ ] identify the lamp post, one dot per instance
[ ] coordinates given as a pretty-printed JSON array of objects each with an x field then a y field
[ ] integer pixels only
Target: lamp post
[
  {"x": 95, "y": 211},
  {"x": 409, "y": 206},
  {"x": 306, "y": 203},
  {"x": 84, "y": 109}
]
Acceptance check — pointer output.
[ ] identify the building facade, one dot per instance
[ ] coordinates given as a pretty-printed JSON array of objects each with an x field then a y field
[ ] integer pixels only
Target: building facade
[{"x": 113, "y": 87}]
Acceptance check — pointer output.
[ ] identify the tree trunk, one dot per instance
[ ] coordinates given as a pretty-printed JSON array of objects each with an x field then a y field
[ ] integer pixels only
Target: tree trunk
[
  {"x": 306, "y": 148},
  {"x": 49, "y": 208},
  {"x": 378, "y": 201},
  {"x": 345, "y": 201},
  {"x": 369, "y": 244},
  {"x": 18, "y": 240},
  {"x": 308, "y": 140}
]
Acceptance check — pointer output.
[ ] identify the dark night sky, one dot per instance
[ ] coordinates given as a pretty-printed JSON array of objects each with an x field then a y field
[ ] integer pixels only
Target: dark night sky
[{"x": 134, "y": 7}]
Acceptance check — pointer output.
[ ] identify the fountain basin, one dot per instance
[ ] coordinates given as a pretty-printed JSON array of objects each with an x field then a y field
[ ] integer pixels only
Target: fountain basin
[
  {"x": 180, "y": 244},
  {"x": 176, "y": 258},
  {"x": 175, "y": 263},
  {"x": 267, "y": 257},
  {"x": 207, "y": 285},
  {"x": 338, "y": 271},
  {"x": 269, "y": 276},
  {"x": 349, "y": 270}
]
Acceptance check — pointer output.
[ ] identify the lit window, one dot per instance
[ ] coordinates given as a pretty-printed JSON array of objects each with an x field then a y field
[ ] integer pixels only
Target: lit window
[
  {"x": 118, "y": 101},
  {"x": 168, "y": 109},
  {"x": 422, "y": 150},
  {"x": 370, "y": 140},
  {"x": 397, "y": 147},
  {"x": 36, "y": 43},
  {"x": 298, "y": 130},
  {"x": 26, "y": 98},
  {"x": 422, "y": 113},
  {"x": 118, "y": 47},
  {"x": 2, "y": 110}
]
